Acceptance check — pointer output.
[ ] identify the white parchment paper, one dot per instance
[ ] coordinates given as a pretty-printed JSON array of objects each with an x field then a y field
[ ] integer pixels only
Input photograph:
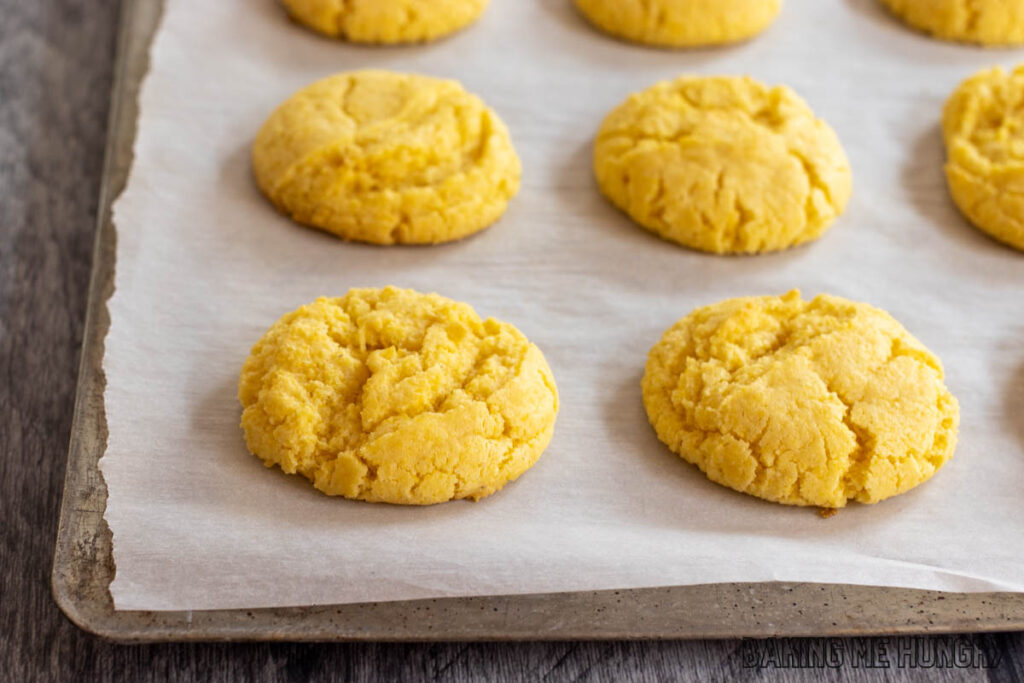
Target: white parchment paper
[{"x": 204, "y": 266}]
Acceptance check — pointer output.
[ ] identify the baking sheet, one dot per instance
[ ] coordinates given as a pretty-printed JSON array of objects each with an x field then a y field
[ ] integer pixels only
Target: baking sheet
[{"x": 204, "y": 266}]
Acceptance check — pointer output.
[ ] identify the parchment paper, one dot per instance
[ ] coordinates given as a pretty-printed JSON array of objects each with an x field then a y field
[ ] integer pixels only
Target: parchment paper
[{"x": 204, "y": 266}]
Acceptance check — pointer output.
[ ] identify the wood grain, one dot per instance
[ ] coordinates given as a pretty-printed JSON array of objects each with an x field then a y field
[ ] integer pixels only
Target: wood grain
[{"x": 56, "y": 60}]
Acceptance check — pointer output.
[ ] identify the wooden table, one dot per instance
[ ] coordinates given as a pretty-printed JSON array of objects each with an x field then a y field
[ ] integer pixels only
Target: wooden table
[{"x": 55, "y": 75}]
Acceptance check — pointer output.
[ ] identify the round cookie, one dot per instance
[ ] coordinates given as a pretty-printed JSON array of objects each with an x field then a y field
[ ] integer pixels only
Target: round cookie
[
  {"x": 386, "y": 21},
  {"x": 681, "y": 23},
  {"x": 801, "y": 402},
  {"x": 724, "y": 165},
  {"x": 387, "y": 158},
  {"x": 985, "y": 22},
  {"x": 389, "y": 395},
  {"x": 983, "y": 126}
]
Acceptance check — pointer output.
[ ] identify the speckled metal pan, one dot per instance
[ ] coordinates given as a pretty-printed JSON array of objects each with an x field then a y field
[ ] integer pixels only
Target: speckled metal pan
[{"x": 83, "y": 567}]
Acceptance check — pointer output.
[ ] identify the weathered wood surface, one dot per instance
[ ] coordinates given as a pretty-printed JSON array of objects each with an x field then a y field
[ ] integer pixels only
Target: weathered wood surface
[{"x": 56, "y": 59}]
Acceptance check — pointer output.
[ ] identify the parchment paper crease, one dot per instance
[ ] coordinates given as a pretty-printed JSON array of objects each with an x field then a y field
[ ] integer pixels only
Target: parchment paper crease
[{"x": 204, "y": 266}]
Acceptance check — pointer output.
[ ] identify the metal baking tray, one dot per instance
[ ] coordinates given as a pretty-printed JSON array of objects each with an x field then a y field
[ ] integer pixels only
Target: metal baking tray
[{"x": 83, "y": 566}]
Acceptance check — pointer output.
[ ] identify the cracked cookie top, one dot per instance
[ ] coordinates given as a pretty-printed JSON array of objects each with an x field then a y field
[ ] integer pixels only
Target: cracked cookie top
[
  {"x": 724, "y": 164},
  {"x": 983, "y": 126},
  {"x": 386, "y": 21},
  {"x": 801, "y": 402},
  {"x": 389, "y": 395},
  {"x": 985, "y": 22},
  {"x": 681, "y": 23},
  {"x": 386, "y": 158}
]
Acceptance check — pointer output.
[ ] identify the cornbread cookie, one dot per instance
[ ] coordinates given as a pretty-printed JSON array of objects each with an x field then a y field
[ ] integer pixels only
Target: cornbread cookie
[
  {"x": 387, "y": 158},
  {"x": 985, "y": 22},
  {"x": 725, "y": 165},
  {"x": 801, "y": 402},
  {"x": 389, "y": 395},
  {"x": 386, "y": 21},
  {"x": 983, "y": 125},
  {"x": 681, "y": 23}
]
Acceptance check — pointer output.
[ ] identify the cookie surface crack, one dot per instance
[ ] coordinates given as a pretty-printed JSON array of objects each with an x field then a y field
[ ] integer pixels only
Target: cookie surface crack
[
  {"x": 394, "y": 396},
  {"x": 804, "y": 403}
]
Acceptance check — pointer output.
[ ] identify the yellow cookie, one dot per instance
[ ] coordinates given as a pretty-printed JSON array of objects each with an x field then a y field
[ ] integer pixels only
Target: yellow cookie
[
  {"x": 801, "y": 402},
  {"x": 386, "y": 21},
  {"x": 725, "y": 165},
  {"x": 986, "y": 22},
  {"x": 983, "y": 125},
  {"x": 681, "y": 23},
  {"x": 387, "y": 158},
  {"x": 389, "y": 395}
]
